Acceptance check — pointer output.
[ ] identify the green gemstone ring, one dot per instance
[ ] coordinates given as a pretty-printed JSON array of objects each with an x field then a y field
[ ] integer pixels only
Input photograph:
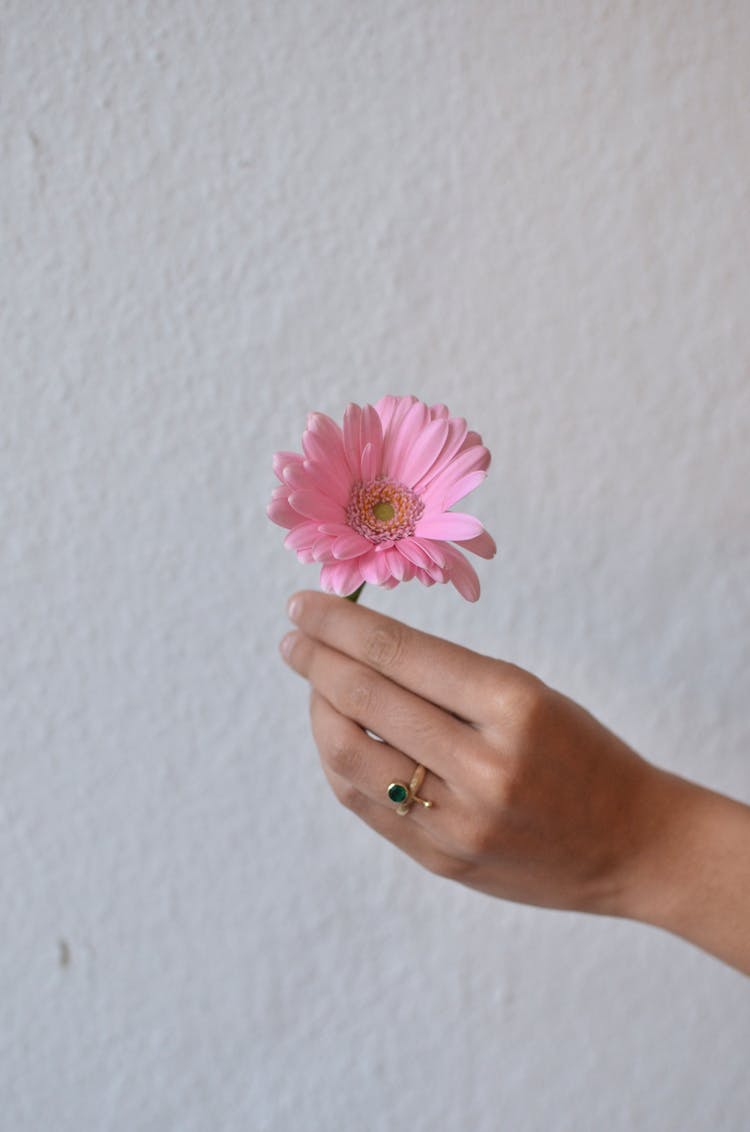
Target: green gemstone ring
[{"x": 404, "y": 796}]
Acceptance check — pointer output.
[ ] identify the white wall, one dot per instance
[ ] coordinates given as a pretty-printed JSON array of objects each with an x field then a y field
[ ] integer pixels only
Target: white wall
[{"x": 217, "y": 217}]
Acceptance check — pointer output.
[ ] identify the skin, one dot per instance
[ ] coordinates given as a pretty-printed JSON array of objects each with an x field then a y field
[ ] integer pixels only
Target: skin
[{"x": 533, "y": 799}]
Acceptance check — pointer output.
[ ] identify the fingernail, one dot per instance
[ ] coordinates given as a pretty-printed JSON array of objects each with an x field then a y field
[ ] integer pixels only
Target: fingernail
[
  {"x": 294, "y": 608},
  {"x": 287, "y": 644}
]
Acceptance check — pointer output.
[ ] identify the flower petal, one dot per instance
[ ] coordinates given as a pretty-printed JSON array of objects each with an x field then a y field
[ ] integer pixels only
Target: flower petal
[
  {"x": 450, "y": 525},
  {"x": 474, "y": 459},
  {"x": 323, "y": 443},
  {"x": 387, "y": 407},
  {"x": 303, "y": 535},
  {"x": 353, "y": 438},
  {"x": 340, "y": 578},
  {"x": 316, "y": 506},
  {"x": 411, "y": 549},
  {"x": 484, "y": 545},
  {"x": 322, "y": 477},
  {"x": 374, "y": 567},
  {"x": 350, "y": 545},
  {"x": 282, "y": 459},
  {"x": 279, "y": 512},
  {"x": 461, "y": 488},
  {"x": 471, "y": 440},
  {"x": 321, "y": 548},
  {"x": 372, "y": 439},
  {"x": 423, "y": 452},
  {"x": 433, "y": 550},
  {"x": 462, "y": 574},
  {"x": 400, "y": 439},
  {"x": 452, "y": 445},
  {"x": 370, "y": 463}
]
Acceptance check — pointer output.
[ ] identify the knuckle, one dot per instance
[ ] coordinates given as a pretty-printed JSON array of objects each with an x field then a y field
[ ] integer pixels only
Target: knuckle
[
  {"x": 341, "y": 758},
  {"x": 384, "y": 645},
  {"x": 350, "y": 798},
  {"x": 478, "y": 840},
  {"x": 360, "y": 695},
  {"x": 451, "y": 868},
  {"x": 519, "y": 700}
]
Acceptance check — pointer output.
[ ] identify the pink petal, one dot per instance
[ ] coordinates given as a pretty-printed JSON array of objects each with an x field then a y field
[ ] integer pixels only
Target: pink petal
[
  {"x": 450, "y": 525},
  {"x": 387, "y": 406},
  {"x": 353, "y": 438},
  {"x": 453, "y": 442},
  {"x": 437, "y": 573},
  {"x": 350, "y": 545},
  {"x": 483, "y": 545},
  {"x": 303, "y": 535},
  {"x": 370, "y": 463},
  {"x": 424, "y": 578},
  {"x": 322, "y": 477},
  {"x": 279, "y": 511},
  {"x": 316, "y": 506},
  {"x": 321, "y": 548},
  {"x": 340, "y": 578},
  {"x": 439, "y": 412},
  {"x": 424, "y": 451},
  {"x": 472, "y": 459},
  {"x": 462, "y": 574},
  {"x": 397, "y": 564},
  {"x": 411, "y": 549},
  {"x": 471, "y": 440},
  {"x": 401, "y": 438},
  {"x": 335, "y": 529},
  {"x": 282, "y": 459},
  {"x": 433, "y": 550},
  {"x": 372, "y": 439},
  {"x": 295, "y": 476},
  {"x": 461, "y": 488},
  {"x": 374, "y": 567},
  {"x": 324, "y": 444}
]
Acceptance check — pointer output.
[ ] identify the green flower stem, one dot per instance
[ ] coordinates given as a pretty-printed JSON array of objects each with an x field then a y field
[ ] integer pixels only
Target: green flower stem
[{"x": 355, "y": 596}]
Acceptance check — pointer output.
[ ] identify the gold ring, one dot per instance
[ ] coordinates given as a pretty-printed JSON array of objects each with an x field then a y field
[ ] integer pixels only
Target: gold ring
[{"x": 404, "y": 796}]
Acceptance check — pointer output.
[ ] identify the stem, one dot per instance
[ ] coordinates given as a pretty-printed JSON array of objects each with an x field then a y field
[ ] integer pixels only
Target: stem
[{"x": 355, "y": 596}]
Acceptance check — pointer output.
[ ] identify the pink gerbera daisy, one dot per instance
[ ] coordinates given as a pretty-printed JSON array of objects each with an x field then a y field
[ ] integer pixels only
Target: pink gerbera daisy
[{"x": 372, "y": 502}]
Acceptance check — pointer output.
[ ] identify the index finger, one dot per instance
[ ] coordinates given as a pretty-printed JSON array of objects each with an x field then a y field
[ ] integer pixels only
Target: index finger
[{"x": 448, "y": 675}]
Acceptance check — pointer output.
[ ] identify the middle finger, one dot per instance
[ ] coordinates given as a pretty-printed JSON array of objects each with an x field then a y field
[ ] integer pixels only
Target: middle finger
[{"x": 406, "y": 721}]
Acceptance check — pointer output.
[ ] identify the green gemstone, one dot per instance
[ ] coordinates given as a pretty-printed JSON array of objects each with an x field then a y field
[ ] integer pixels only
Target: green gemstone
[{"x": 397, "y": 792}]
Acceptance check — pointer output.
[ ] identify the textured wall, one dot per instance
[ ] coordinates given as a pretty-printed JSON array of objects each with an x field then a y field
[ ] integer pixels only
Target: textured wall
[{"x": 216, "y": 217}]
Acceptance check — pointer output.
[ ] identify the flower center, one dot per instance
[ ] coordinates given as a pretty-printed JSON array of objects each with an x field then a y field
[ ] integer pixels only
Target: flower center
[{"x": 383, "y": 510}]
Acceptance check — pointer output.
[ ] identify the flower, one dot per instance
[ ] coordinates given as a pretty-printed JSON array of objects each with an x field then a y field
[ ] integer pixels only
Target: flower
[{"x": 371, "y": 501}]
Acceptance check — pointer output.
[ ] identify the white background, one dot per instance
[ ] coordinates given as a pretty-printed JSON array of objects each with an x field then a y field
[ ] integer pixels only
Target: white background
[{"x": 216, "y": 217}]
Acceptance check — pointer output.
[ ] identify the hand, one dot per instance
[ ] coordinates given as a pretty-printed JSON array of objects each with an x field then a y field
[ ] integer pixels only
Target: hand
[{"x": 533, "y": 799}]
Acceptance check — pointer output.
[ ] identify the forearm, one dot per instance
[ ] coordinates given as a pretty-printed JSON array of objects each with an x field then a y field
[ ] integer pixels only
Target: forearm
[{"x": 692, "y": 876}]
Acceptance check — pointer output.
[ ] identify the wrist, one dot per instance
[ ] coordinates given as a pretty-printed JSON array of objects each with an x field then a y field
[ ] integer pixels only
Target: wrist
[{"x": 689, "y": 869}]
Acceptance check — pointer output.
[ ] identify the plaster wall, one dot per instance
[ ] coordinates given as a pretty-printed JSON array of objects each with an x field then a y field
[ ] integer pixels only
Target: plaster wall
[{"x": 216, "y": 217}]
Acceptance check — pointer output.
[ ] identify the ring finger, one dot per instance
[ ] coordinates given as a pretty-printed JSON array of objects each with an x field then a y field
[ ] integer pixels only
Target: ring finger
[{"x": 371, "y": 766}]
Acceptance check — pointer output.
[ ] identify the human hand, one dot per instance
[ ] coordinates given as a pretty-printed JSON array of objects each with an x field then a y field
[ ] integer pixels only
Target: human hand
[{"x": 533, "y": 799}]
